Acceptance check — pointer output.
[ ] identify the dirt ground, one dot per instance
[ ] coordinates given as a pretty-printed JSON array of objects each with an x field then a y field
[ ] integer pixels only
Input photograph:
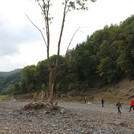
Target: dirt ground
[
  {"x": 74, "y": 106},
  {"x": 108, "y": 108},
  {"x": 90, "y": 115}
]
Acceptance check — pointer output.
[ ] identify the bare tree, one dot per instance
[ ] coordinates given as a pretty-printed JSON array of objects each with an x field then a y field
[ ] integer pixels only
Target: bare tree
[{"x": 45, "y": 6}]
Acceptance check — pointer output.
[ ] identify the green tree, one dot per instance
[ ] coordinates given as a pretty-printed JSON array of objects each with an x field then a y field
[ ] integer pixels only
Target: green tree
[
  {"x": 45, "y": 6},
  {"x": 31, "y": 77}
]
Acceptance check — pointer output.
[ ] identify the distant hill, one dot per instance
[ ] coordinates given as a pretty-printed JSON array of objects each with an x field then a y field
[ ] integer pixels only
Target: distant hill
[
  {"x": 4, "y": 74},
  {"x": 8, "y": 79}
]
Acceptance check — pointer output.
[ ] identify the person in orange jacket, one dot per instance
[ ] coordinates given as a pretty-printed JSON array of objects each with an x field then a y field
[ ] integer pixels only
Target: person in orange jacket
[{"x": 131, "y": 104}]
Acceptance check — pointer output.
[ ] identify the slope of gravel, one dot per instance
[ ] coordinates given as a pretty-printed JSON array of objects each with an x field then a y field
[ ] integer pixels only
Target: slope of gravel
[{"x": 74, "y": 118}]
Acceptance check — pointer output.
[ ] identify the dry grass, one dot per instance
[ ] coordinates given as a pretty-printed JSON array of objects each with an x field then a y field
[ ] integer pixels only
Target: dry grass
[
  {"x": 121, "y": 91},
  {"x": 4, "y": 97}
]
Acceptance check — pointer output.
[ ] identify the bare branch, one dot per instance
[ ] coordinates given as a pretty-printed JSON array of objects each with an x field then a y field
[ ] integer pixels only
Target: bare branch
[
  {"x": 45, "y": 6},
  {"x": 47, "y": 32},
  {"x": 68, "y": 46},
  {"x": 61, "y": 32},
  {"x": 38, "y": 30},
  {"x": 40, "y": 6},
  {"x": 72, "y": 39}
]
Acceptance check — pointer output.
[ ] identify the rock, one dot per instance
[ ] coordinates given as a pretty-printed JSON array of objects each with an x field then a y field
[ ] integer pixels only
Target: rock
[
  {"x": 62, "y": 111},
  {"x": 89, "y": 103},
  {"x": 6, "y": 128},
  {"x": 116, "y": 123}
]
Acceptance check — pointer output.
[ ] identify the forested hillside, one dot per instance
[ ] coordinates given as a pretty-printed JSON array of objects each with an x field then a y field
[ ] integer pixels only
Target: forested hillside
[
  {"x": 106, "y": 57},
  {"x": 3, "y": 74},
  {"x": 8, "y": 79}
]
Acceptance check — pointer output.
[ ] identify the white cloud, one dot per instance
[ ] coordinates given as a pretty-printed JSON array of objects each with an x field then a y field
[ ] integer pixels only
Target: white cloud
[
  {"x": 11, "y": 37},
  {"x": 30, "y": 53}
]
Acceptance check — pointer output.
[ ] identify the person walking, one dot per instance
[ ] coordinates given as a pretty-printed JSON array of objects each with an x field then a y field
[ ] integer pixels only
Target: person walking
[
  {"x": 118, "y": 105},
  {"x": 85, "y": 99},
  {"x": 102, "y": 102},
  {"x": 131, "y": 104}
]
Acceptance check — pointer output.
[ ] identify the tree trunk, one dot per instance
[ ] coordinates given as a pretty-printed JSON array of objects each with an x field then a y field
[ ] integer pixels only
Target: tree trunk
[{"x": 51, "y": 84}]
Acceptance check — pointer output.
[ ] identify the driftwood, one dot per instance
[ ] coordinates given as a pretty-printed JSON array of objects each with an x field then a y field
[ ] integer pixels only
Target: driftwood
[{"x": 48, "y": 107}]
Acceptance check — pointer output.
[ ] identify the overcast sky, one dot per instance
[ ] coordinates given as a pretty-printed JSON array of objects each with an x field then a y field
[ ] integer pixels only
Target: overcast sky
[{"x": 21, "y": 43}]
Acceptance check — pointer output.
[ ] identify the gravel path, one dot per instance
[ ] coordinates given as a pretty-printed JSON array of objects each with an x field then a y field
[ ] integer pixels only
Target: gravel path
[{"x": 76, "y": 118}]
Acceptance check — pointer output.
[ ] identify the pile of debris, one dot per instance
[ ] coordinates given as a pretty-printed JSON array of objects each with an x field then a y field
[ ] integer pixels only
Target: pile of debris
[{"x": 48, "y": 108}]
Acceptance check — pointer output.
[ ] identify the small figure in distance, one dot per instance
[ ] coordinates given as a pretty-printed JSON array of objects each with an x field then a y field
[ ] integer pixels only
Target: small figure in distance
[
  {"x": 102, "y": 102},
  {"x": 85, "y": 99},
  {"x": 42, "y": 96},
  {"x": 118, "y": 105},
  {"x": 131, "y": 104},
  {"x": 35, "y": 97}
]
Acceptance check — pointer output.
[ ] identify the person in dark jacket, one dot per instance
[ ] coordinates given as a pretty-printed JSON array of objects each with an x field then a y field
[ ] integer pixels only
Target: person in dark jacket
[
  {"x": 118, "y": 105},
  {"x": 102, "y": 102}
]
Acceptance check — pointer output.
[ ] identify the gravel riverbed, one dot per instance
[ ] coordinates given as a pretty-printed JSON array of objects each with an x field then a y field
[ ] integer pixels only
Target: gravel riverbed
[{"x": 73, "y": 118}]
